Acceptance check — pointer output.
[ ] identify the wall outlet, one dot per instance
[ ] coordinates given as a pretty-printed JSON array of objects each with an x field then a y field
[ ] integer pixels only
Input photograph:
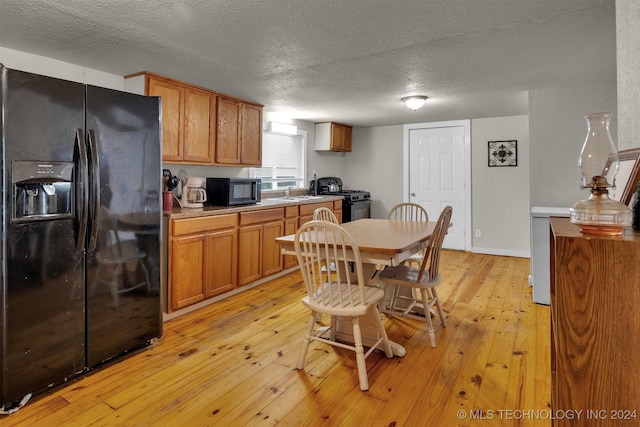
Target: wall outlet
[{"x": 477, "y": 233}]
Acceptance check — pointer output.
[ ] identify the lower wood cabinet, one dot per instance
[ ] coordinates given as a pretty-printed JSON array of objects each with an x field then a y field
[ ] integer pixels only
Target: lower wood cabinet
[
  {"x": 203, "y": 259},
  {"x": 306, "y": 211},
  {"x": 259, "y": 254},
  {"x": 186, "y": 271},
  {"x": 210, "y": 255},
  {"x": 337, "y": 210},
  {"x": 595, "y": 326},
  {"x": 290, "y": 227},
  {"x": 221, "y": 266}
]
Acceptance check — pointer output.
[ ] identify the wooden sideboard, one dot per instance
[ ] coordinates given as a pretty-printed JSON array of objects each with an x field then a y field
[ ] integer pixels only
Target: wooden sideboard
[{"x": 595, "y": 326}]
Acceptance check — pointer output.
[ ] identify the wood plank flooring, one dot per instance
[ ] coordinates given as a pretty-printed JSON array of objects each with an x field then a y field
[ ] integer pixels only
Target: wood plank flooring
[{"x": 232, "y": 364}]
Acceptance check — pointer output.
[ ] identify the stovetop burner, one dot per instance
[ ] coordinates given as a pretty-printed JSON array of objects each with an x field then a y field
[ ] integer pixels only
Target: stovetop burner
[{"x": 353, "y": 195}]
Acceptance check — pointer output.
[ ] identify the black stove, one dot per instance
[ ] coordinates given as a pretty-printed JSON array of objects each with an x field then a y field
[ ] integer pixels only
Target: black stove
[
  {"x": 353, "y": 195},
  {"x": 356, "y": 204}
]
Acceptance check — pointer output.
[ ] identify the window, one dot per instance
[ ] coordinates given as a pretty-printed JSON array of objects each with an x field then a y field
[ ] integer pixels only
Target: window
[{"x": 283, "y": 161}]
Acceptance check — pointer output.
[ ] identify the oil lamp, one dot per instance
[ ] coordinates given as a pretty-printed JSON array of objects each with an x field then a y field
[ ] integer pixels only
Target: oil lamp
[{"x": 599, "y": 164}]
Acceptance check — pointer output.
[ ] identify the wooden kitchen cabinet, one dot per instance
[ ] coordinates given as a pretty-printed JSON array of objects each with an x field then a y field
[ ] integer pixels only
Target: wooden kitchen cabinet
[
  {"x": 188, "y": 121},
  {"x": 203, "y": 127},
  {"x": 251, "y": 139},
  {"x": 186, "y": 271},
  {"x": 595, "y": 326},
  {"x": 258, "y": 253},
  {"x": 222, "y": 255},
  {"x": 229, "y": 131},
  {"x": 239, "y": 132},
  {"x": 199, "y": 126},
  {"x": 306, "y": 211},
  {"x": 290, "y": 227},
  {"x": 331, "y": 136},
  {"x": 172, "y": 115},
  {"x": 337, "y": 210},
  {"x": 202, "y": 259}
]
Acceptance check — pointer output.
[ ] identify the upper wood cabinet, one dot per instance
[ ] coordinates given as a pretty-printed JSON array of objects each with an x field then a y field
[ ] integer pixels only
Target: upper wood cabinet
[
  {"x": 251, "y": 138},
  {"x": 332, "y": 136},
  {"x": 172, "y": 116},
  {"x": 239, "y": 138},
  {"x": 200, "y": 126}
]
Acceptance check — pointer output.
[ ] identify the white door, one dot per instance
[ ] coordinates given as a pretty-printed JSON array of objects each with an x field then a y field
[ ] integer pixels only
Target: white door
[{"x": 437, "y": 176}]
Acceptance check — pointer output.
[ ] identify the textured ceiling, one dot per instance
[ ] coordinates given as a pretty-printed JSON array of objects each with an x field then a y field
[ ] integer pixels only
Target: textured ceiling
[{"x": 348, "y": 61}]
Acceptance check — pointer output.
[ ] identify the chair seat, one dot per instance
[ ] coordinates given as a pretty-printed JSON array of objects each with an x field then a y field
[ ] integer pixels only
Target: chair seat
[
  {"x": 371, "y": 295},
  {"x": 408, "y": 276}
]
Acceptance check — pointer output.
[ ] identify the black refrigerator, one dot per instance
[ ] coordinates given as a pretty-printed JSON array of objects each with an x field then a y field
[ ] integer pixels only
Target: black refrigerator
[{"x": 81, "y": 215}]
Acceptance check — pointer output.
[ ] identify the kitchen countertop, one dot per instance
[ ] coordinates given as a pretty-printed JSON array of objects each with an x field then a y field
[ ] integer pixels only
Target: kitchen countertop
[{"x": 208, "y": 210}]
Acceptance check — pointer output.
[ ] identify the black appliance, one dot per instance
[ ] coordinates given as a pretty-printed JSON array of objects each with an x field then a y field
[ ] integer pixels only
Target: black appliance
[
  {"x": 356, "y": 204},
  {"x": 233, "y": 191},
  {"x": 80, "y": 163}
]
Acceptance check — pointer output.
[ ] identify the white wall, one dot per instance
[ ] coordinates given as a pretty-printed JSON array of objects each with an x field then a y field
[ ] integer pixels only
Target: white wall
[
  {"x": 557, "y": 130},
  {"x": 375, "y": 165},
  {"x": 62, "y": 70},
  {"x": 500, "y": 195}
]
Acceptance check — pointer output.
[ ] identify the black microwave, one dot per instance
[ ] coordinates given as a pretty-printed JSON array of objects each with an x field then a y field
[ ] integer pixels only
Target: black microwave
[{"x": 233, "y": 191}]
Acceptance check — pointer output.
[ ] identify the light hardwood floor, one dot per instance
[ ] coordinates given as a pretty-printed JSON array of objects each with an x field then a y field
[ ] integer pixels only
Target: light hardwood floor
[{"x": 232, "y": 364}]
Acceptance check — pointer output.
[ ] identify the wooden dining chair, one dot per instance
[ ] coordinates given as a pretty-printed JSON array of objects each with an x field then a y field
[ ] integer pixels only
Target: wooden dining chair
[
  {"x": 335, "y": 292},
  {"x": 114, "y": 256},
  {"x": 410, "y": 212},
  {"x": 422, "y": 281},
  {"x": 325, "y": 214}
]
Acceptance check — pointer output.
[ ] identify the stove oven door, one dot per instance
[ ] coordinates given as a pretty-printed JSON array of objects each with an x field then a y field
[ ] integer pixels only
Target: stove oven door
[{"x": 353, "y": 210}]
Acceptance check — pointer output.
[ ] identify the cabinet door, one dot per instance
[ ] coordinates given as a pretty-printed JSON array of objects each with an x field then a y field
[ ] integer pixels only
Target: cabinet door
[
  {"x": 221, "y": 265},
  {"x": 186, "y": 271},
  {"x": 304, "y": 219},
  {"x": 271, "y": 255},
  {"x": 337, "y": 210},
  {"x": 249, "y": 254},
  {"x": 199, "y": 137},
  {"x": 251, "y": 141},
  {"x": 229, "y": 131},
  {"x": 172, "y": 116},
  {"x": 340, "y": 137},
  {"x": 346, "y": 141},
  {"x": 290, "y": 227}
]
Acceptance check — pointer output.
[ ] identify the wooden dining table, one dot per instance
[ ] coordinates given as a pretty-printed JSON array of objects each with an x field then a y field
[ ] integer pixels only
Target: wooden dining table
[{"x": 381, "y": 242}]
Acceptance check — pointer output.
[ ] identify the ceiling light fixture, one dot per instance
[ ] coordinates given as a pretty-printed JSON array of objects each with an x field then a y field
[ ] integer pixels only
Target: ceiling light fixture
[{"x": 415, "y": 101}]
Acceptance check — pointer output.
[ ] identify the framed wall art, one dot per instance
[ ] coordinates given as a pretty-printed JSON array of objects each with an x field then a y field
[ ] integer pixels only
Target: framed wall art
[
  {"x": 503, "y": 153},
  {"x": 627, "y": 176}
]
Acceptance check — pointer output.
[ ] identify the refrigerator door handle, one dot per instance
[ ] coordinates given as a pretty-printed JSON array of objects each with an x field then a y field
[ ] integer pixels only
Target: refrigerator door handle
[
  {"x": 95, "y": 191},
  {"x": 83, "y": 204}
]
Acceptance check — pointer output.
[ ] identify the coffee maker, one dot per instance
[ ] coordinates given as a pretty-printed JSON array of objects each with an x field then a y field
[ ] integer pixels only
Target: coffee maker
[{"x": 193, "y": 193}]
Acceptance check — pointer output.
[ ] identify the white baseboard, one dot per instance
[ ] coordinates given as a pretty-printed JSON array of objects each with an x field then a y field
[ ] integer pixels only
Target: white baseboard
[{"x": 501, "y": 252}]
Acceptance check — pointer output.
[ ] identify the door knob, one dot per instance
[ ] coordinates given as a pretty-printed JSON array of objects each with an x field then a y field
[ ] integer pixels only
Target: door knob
[{"x": 413, "y": 194}]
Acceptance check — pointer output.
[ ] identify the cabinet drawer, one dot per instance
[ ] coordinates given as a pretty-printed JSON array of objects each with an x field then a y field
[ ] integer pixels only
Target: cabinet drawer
[
  {"x": 337, "y": 205},
  {"x": 290, "y": 211},
  {"x": 179, "y": 227},
  {"x": 265, "y": 215},
  {"x": 306, "y": 210}
]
